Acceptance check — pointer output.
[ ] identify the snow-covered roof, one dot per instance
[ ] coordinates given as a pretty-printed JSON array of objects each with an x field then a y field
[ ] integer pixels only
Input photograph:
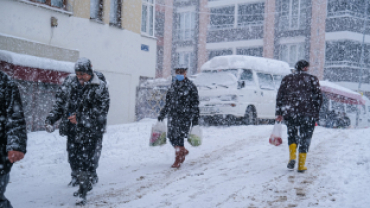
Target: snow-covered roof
[
  {"x": 36, "y": 62},
  {"x": 247, "y": 62},
  {"x": 338, "y": 87}
]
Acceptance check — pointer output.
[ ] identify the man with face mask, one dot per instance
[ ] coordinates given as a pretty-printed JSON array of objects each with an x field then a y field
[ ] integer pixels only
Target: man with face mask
[
  {"x": 82, "y": 102},
  {"x": 181, "y": 106}
]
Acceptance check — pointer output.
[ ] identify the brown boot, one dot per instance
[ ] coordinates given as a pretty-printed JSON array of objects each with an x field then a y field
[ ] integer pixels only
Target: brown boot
[
  {"x": 179, "y": 156},
  {"x": 184, "y": 152}
]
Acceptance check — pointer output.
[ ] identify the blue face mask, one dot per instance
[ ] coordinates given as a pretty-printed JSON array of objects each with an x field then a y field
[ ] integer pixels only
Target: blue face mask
[{"x": 180, "y": 77}]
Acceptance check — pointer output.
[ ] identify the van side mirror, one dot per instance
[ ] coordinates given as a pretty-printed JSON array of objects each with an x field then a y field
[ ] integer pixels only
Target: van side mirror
[{"x": 241, "y": 84}]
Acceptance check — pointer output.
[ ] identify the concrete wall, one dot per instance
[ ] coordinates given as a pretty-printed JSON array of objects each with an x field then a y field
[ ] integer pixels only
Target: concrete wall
[{"x": 115, "y": 52}]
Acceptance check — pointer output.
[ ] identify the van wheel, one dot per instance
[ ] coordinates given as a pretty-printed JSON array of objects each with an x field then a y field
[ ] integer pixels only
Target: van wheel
[{"x": 250, "y": 116}]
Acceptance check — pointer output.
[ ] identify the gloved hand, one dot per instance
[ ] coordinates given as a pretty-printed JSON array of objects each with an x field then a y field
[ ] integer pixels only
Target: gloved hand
[
  {"x": 195, "y": 122},
  {"x": 48, "y": 127},
  {"x": 160, "y": 118}
]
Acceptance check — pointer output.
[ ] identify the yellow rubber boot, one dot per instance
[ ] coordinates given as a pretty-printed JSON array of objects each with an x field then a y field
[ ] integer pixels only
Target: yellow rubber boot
[
  {"x": 292, "y": 151},
  {"x": 292, "y": 156},
  {"x": 302, "y": 161}
]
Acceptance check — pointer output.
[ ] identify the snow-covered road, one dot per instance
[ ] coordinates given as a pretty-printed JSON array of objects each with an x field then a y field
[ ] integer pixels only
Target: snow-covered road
[{"x": 235, "y": 167}]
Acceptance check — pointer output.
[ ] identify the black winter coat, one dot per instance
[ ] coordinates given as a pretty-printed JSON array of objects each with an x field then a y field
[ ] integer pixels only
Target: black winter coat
[
  {"x": 91, "y": 109},
  {"x": 299, "y": 96},
  {"x": 182, "y": 102},
  {"x": 13, "y": 132}
]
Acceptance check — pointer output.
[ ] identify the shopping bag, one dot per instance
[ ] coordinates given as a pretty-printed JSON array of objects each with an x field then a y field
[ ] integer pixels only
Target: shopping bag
[
  {"x": 158, "y": 134},
  {"x": 275, "y": 138},
  {"x": 195, "y": 136}
]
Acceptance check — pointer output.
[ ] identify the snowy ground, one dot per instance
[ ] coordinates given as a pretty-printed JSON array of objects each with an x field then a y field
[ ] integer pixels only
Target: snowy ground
[{"x": 235, "y": 167}]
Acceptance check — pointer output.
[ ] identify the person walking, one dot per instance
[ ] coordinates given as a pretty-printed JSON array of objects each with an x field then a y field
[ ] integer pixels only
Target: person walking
[
  {"x": 181, "y": 106},
  {"x": 82, "y": 102},
  {"x": 298, "y": 102},
  {"x": 13, "y": 132}
]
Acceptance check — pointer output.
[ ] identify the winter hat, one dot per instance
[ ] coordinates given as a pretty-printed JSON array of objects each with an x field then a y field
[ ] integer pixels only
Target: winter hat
[
  {"x": 84, "y": 65},
  {"x": 301, "y": 65},
  {"x": 181, "y": 70}
]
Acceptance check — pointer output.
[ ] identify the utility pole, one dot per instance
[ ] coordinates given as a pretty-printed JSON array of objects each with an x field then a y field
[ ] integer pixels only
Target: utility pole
[{"x": 363, "y": 47}]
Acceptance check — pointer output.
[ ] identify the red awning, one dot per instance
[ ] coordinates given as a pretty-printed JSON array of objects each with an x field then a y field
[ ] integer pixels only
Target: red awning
[{"x": 343, "y": 96}]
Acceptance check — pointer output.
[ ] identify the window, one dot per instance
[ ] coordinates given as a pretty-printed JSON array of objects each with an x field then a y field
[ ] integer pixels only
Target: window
[
  {"x": 277, "y": 81},
  {"x": 147, "y": 17},
  {"x": 266, "y": 81},
  {"x": 53, "y": 3},
  {"x": 250, "y": 14},
  {"x": 186, "y": 61},
  {"x": 186, "y": 25},
  {"x": 115, "y": 12},
  {"x": 250, "y": 51},
  {"x": 247, "y": 77},
  {"x": 353, "y": 8},
  {"x": 291, "y": 53},
  {"x": 225, "y": 52},
  {"x": 222, "y": 17},
  {"x": 293, "y": 14},
  {"x": 96, "y": 9}
]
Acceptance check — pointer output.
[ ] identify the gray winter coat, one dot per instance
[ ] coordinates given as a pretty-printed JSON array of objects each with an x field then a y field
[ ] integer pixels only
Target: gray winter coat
[
  {"x": 91, "y": 109},
  {"x": 13, "y": 132}
]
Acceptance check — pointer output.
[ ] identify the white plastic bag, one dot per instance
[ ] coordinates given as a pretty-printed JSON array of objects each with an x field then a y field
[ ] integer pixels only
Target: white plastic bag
[
  {"x": 195, "y": 136},
  {"x": 158, "y": 135},
  {"x": 275, "y": 138}
]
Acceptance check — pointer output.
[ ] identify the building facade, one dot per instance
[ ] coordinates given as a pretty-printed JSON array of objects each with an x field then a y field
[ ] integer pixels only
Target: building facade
[
  {"x": 117, "y": 36},
  {"x": 328, "y": 33}
]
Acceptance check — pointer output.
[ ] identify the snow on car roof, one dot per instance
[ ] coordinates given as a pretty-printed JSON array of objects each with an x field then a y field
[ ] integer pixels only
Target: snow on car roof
[
  {"x": 36, "y": 62},
  {"x": 247, "y": 62}
]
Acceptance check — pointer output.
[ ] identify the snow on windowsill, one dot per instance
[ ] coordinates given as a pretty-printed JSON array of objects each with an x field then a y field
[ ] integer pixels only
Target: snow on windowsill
[
  {"x": 36, "y": 62},
  {"x": 148, "y": 36},
  {"x": 46, "y": 7}
]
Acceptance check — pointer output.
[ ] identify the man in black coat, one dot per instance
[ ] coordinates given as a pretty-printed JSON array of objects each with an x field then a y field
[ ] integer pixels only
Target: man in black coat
[
  {"x": 181, "y": 106},
  {"x": 13, "y": 133},
  {"x": 82, "y": 102},
  {"x": 298, "y": 103}
]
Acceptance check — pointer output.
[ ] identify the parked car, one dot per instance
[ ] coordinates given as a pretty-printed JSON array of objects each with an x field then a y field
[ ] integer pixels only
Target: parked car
[{"x": 239, "y": 89}]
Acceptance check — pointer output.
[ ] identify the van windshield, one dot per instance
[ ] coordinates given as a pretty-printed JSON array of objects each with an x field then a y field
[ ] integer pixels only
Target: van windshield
[{"x": 219, "y": 77}]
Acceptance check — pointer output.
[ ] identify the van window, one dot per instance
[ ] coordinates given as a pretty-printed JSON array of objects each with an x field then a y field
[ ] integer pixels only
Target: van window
[
  {"x": 277, "y": 81},
  {"x": 247, "y": 77},
  {"x": 351, "y": 108},
  {"x": 266, "y": 81}
]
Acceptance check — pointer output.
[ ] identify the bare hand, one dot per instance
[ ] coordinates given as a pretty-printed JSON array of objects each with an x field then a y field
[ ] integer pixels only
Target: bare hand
[
  {"x": 15, "y": 156},
  {"x": 279, "y": 118},
  {"x": 73, "y": 119}
]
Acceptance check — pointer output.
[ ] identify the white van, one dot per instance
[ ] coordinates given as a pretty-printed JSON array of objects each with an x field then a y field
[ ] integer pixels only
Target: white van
[{"x": 242, "y": 87}]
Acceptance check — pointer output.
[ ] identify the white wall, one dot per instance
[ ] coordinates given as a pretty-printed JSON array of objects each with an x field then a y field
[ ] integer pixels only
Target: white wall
[{"x": 113, "y": 51}]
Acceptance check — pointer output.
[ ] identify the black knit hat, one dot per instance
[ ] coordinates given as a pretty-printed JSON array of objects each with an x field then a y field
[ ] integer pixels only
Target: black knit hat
[
  {"x": 301, "y": 65},
  {"x": 84, "y": 65}
]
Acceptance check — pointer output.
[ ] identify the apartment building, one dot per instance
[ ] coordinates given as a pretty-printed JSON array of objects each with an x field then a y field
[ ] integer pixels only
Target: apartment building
[
  {"x": 41, "y": 39},
  {"x": 328, "y": 33}
]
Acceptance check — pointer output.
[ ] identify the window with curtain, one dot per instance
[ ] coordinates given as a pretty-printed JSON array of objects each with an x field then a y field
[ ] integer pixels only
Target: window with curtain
[
  {"x": 186, "y": 25},
  {"x": 293, "y": 15},
  {"x": 147, "y": 17},
  {"x": 291, "y": 53}
]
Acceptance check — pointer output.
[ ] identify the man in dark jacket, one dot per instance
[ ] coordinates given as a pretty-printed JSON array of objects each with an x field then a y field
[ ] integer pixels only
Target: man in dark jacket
[
  {"x": 13, "y": 133},
  {"x": 298, "y": 103},
  {"x": 181, "y": 106},
  {"x": 82, "y": 102}
]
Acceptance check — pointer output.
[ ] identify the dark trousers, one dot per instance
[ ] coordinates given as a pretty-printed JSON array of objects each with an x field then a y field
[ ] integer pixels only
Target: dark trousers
[
  {"x": 178, "y": 130},
  {"x": 4, "y": 202},
  {"x": 305, "y": 126},
  {"x": 83, "y": 157}
]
